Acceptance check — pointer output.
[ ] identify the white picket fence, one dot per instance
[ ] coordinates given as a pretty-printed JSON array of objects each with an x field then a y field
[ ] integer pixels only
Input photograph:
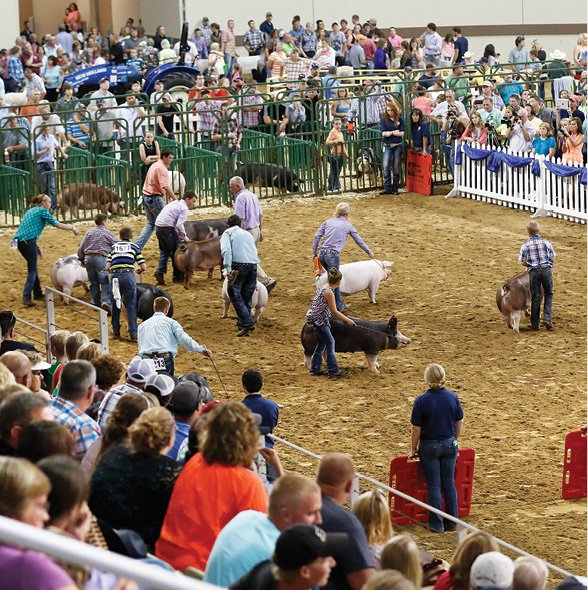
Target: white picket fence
[{"x": 546, "y": 194}]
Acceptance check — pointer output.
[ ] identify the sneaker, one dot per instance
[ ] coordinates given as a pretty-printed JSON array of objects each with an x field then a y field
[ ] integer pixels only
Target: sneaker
[
  {"x": 133, "y": 337},
  {"x": 159, "y": 278},
  {"x": 106, "y": 308},
  {"x": 450, "y": 526},
  {"x": 271, "y": 285},
  {"x": 317, "y": 373},
  {"x": 433, "y": 530},
  {"x": 548, "y": 324},
  {"x": 245, "y": 331},
  {"x": 28, "y": 303},
  {"x": 339, "y": 375}
]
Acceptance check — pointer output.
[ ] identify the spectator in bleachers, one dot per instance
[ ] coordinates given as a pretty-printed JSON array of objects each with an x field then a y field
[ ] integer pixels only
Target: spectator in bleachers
[
  {"x": 519, "y": 55},
  {"x": 432, "y": 45},
  {"x": 116, "y": 53},
  {"x": 508, "y": 86},
  {"x": 76, "y": 392},
  {"x": 195, "y": 517},
  {"x": 372, "y": 510},
  {"x": 50, "y": 121},
  {"x": 24, "y": 489},
  {"x": 148, "y": 153},
  {"x": 7, "y": 325},
  {"x": 57, "y": 343},
  {"x": 573, "y": 142},
  {"x": 337, "y": 154},
  {"x": 34, "y": 82},
  {"x": 44, "y": 438},
  {"x": 228, "y": 143},
  {"x": 355, "y": 565},
  {"x": 492, "y": 570},
  {"x": 109, "y": 371},
  {"x": 89, "y": 351},
  {"x": 267, "y": 27},
  {"x": 199, "y": 42},
  {"x": 308, "y": 41},
  {"x": 544, "y": 143},
  {"x": 402, "y": 554},
  {"x": 458, "y": 576},
  {"x": 51, "y": 79},
  {"x": 138, "y": 371},
  {"x": 116, "y": 432},
  {"x": 45, "y": 147},
  {"x": 68, "y": 101},
  {"x": 447, "y": 50},
  {"x": 487, "y": 89},
  {"x": 337, "y": 40},
  {"x": 253, "y": 39},
  {"x": 476, "y": 131},
  {"x": 16, "y": 412},
  {"x": 250, "y": 537},
  {"x": 435, "y": 442},
  {"x": 520, "y": 132},
  {"x": 530, "y": 573},
  {"x": 131, "y": 487},
  {"x": 31, "y": 226},
  {"x": 101, "y": 108},
  {"x": 130, "y": 118},
  {"x": 388, "y": 580},
  {"x": 166, "y": 112},
  {"x": 16, "y": 76},
  {"x": 489, "y": 114},
  {"x": 78, "y": 128},
  {"x": 458, "y": 83}
]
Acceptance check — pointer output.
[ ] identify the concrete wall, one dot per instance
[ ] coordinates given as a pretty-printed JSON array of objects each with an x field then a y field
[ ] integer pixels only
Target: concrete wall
[
  {"x": 9, "y": 24},
  {"x": 162, "y": 12}
]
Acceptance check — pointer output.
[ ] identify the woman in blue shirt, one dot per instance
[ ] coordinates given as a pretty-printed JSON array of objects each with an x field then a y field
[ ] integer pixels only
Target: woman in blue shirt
[
  {"x": 52, "y": 78},
  {"x": 544, "y": 144},
  {"x": 31, "y": 226},
  {"x": 420, "y": 132},
  {"x": 392, "y": 128},
  {"x": 437, "y": 420}
]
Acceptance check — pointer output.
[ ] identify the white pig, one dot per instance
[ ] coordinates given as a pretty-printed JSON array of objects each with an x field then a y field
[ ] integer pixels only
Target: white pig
[
  {"x": 258, "y": 301},
  {"x": 67, "y": 273},
  {"x": 365, "y": 275},
  {"x": 177, "y": 183}
]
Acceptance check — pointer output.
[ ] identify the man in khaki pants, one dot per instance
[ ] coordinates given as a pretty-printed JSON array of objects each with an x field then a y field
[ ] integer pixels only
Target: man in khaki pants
[{"x": 247, "y": 207}]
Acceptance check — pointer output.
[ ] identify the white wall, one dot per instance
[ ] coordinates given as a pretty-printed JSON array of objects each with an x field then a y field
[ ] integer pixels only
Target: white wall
[
  {"x": 9, "y": 23},
  {"x": 161, "y": 12}
]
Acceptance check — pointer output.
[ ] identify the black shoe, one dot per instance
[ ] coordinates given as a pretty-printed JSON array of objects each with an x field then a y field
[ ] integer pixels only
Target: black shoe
[
  {"x": 106, "y": 308},
  {"x": 394, "y": 192},
  {"x": 317, "y": 373},
  {"x": 177, "y": 279},
  {"x": 535, "y": 328},
  {"x": 548, "y": 324},
  {"x": 28, "y": 303},
  {"x": 270, "y": 286},
  {"x": 245, "y": 331},
  {"x": 116, "y": 334},
  {"x": 133, "y": 337},
  {"x": 450, "y": 526},
  {"x": 159, "y": 278},
  {"x": 385, "y": 193},
  {"x": 39, "y": 297}
]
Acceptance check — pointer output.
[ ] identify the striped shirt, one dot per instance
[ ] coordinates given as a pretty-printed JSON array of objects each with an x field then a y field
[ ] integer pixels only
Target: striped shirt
[
  {"x": 319, "y": 313},
  {"x": 85, "y": 431},
  {"x": 537, "y": 252},
  {"x": 206, "y": 115},
  {"x": 124, "y": 254},
  {"x": 33, "y": 223},
  {"x": 98, "y": 240}
]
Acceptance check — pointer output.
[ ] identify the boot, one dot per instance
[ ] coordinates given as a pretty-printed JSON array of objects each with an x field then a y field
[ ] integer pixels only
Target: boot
[{"x": 395, "y": 181}]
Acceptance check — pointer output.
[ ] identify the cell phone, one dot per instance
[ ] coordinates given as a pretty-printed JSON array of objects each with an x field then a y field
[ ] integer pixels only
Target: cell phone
[{"x": 562, "y": 103}]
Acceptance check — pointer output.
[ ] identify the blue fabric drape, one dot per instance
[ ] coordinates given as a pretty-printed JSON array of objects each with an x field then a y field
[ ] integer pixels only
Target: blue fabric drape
[
  {"x": 567, "y": 171},
  {"x": 495, "y": 159}
]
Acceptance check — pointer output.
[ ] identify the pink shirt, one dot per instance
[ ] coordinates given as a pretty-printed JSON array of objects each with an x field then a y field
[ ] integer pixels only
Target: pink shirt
[
  {"x": 395, "y": 41},
  {"x": 423, "y": 103}
]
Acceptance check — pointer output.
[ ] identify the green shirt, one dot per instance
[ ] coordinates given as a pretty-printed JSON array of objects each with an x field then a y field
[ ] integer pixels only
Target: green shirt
[
  {"x": 33, "y": 223},
  {"x": 459, "y": 84}
]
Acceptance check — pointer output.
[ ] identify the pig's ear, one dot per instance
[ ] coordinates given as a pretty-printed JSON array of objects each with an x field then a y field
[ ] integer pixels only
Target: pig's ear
[{"x": 392, "y": 324}]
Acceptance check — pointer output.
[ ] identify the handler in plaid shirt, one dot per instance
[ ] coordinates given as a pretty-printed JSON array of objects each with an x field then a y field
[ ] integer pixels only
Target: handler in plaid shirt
[
  {"x": 537, "y": 254},
  {"x": 76, "y": 392}
]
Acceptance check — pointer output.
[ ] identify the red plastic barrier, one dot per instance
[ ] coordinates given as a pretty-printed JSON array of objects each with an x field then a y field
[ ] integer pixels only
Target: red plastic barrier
[
  {"x": 408, "y": 477},
  {"x": 419, "y": 173},
  {"x": 574, "y": 470}
]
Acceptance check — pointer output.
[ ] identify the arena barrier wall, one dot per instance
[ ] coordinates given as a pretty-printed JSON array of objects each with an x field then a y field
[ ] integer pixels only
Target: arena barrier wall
[
  {"x": 540, "y": 184},
  {"x": 462, "y": 527},
  {"x": 574, "y": 470}
]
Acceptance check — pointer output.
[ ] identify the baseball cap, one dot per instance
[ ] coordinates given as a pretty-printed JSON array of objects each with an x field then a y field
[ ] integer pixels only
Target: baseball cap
[
  {"x": 301, "y": 544},
  {"x": 140, "y": 369},
  {"x": 205, "y": 18},
  {"x": 104, "y": 80},
  {"x": 162, "y": 384},
  {"x": 314, "y": 65},
  {"x": 268, "y": 14},
  {"x": 492, "y": 569},
  {"x": 185, "y": 398},
  {"x": 210, "y": 406},
  {"x": 40, "y": 365},
  {"x": 487, "y": 83},
  {"x": 468, "y": 54}
]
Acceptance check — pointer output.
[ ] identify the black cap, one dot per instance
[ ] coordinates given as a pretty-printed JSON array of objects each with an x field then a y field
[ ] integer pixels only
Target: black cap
[
  {"x": 302, "y": 544},
  {"x": 185, "y": 398},
  {"x": 104, "y": 80}
]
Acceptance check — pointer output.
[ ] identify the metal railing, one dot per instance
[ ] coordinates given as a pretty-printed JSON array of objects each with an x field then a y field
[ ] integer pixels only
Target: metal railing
[
  {"x": 73, "y": 551},
  {"x": 45, "y": 342},
  {"x": 50, "y": 294},
  {"x": 462, "y": 526}
]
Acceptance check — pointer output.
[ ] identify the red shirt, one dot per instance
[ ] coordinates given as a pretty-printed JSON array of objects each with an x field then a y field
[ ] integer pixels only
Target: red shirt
[{"x": 445, "y": 582}]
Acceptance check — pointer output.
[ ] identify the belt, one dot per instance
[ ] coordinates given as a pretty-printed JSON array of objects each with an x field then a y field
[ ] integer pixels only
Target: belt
[
  {"x": 329, "y": 250},
  {"x": 94, "y": 254},
  {"x": 157, "y": 355},
  {"x": 244, "y": 263},
  {"x": 123, "y": 270},
  {"x": 151, "y": 196},
  {"x": 165, "y": 229},
  {"x": 540, "y": 267}
]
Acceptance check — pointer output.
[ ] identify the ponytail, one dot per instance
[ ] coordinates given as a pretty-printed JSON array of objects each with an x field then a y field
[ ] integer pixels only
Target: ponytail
[{"x": 334, "y": 276}]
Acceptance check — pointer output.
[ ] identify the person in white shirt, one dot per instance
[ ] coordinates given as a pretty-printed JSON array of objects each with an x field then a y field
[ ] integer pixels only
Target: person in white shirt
[
  {"x": 191, "y": 54},
  {"x": 127, "y": 115},
  {"x": 521, "y": 133}
]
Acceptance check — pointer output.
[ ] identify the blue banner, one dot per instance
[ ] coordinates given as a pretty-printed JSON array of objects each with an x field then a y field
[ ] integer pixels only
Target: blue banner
[{"x": 567, "y": 171}]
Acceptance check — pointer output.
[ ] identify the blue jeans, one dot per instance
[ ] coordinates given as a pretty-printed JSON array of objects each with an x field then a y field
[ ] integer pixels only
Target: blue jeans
[
  {"x": 330, "y": 259},
  {"x": 99, "y": 281},
  {"x": 541, "y": 277},
  {"x": 448, "y": 150},
  {"x": 153, "y": 207},
  {"x": 46, "y": 177},
  {"x": 241, "y": 293},
  {"x": 128, "y": 293},
  {"x": 324, "y": 341},
  {"x": 336, "y": 161},
  {"x": 391, "y": 164},
  {"x": 229, "y": 61},
  {"x": 438, "y": 458},
  {"x": 30, "y": 252}
]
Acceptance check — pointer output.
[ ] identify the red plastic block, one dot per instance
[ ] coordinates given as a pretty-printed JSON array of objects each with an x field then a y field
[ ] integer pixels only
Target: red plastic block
[
  {"x": 408, "y": 477},
  {"x": 574, "y": 469}
]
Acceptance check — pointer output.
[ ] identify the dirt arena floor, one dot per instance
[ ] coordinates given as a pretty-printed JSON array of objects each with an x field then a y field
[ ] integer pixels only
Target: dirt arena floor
[{"x": 520, "y": 393}]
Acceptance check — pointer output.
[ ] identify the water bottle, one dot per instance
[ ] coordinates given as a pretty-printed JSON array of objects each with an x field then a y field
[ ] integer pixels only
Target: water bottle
[{"x": 6, "y": 156}]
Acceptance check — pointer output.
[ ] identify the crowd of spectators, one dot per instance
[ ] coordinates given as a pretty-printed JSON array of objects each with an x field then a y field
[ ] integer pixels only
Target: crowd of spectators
[
  {"x": 310, "y": 77},
  {"x": 187, "y": 482}
]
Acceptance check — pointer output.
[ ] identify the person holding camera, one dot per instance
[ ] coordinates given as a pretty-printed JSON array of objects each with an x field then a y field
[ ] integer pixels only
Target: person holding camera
[
  {"x": 449, "y": 114},
  {"x": 489, "y": 114},
  {"x": 520, "y": 132}
]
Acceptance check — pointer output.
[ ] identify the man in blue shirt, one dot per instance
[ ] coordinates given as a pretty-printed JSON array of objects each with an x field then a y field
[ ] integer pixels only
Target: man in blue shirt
[
  {"x": 537, "y": 254},
  {"x": 45, "y": 146},
  {"x": 269, "y": 410},
  {"x": 460, "y": 45},
  {"x": 240, "y": 260},
  {"x": 185, "y": 405},
  {"x": 159, "y": 337}
]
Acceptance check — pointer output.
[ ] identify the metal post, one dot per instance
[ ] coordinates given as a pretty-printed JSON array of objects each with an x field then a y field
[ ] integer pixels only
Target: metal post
[
  {"x": 355, "y": 490},
  {"x": 103, "y": 321}
]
